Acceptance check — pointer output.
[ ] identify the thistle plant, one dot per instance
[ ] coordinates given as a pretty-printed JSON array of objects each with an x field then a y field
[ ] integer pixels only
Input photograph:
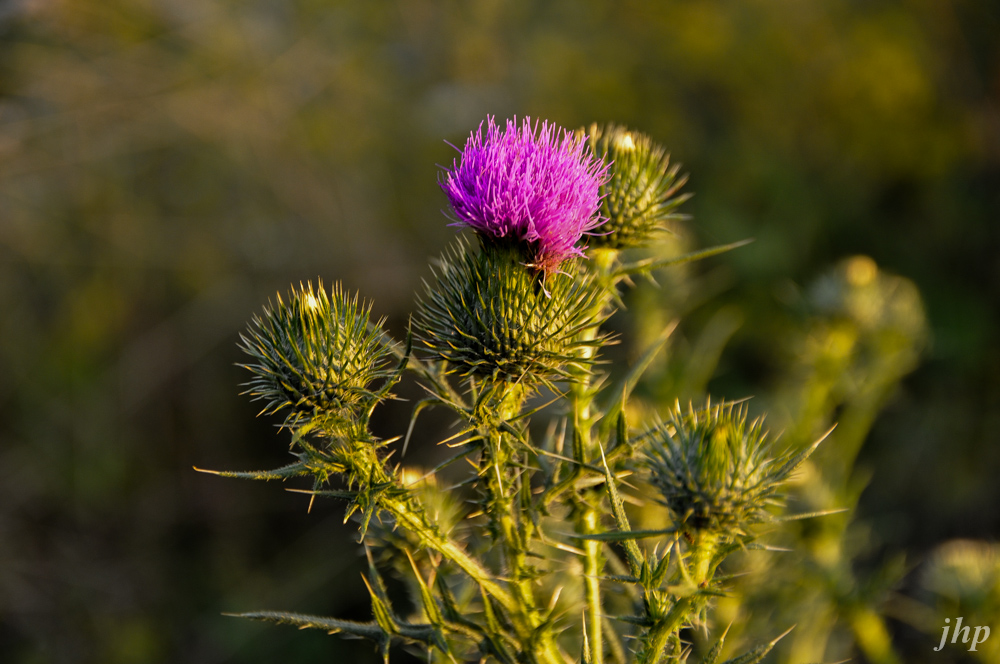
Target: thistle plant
[{"x": 531, "y": 557}]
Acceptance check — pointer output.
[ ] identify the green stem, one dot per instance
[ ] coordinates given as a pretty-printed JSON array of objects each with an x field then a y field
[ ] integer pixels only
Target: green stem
[
  {"x": 364, "y": 462},
  {"x": 593, "y": 565},
  {"x": 505, "y": 486},
  {"x": 416, "y": 522},
  {"x": 872, "y": 636},
  {"x": 659, "y": 636},
  {"x": 703, "y": 550},
  {"x": 587, "y": 522},
  {"x": 504, "y": 509},
  {"x": 701, "y": 570},
  {"x": 504, "y": 515}
]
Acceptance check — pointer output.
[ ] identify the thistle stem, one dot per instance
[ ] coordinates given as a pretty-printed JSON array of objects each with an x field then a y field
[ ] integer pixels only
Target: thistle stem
[
  {"x": 592, "y": 568},
  {"x": 364, "y": 462},
  {"x": 703, "y": 550},
  {"x": 504, "y": 485},
  {"x": 701, "y": 569},
  {"x": 587, "y": 522}
]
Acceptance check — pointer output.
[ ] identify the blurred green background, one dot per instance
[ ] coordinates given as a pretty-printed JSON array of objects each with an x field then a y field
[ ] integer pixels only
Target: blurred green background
[{"x": 166, "y": 166}]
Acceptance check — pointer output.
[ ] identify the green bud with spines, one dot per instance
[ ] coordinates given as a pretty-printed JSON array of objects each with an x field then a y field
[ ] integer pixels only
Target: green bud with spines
[
  {"x": 489, "y": 315},
  {"x": 640, "y": 196},
  {"x": 715, "y": 470},
  {"x": 316, "y": 356}
]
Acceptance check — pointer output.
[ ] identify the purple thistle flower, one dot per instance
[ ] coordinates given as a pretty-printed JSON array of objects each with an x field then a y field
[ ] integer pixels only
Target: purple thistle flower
[{"x": 539, "y": 187}]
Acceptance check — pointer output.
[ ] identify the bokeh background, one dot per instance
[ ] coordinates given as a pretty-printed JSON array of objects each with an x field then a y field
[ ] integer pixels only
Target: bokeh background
[{"x": 168, "y": 165}]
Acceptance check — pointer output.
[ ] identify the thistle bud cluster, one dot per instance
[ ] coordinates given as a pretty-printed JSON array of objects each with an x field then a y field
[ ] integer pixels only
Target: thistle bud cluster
[
  {"x": 505, "y": 316},
  {"x": 874, "y": 301}
]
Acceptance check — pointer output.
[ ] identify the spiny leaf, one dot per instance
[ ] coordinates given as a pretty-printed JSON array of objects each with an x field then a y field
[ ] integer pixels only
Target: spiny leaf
[
  {"x": 621, "y": 536},
  {"x": 586, "y": 657},
  {"x": 296, "y": 469},
  {"x": 420, "y": 405},
  {"x": 494, "y": 631},
  {"x": 381, "y": 610},
  {"x": 621, "y": 578},
  {"x": 332, "y": 625},
  {"x": 430, "y": 605},
  {"x": 381, "y": 607},
  {"x": 619, "y": 393},
  {"x": 811, "y": 515},
  {"x": 642, "y": 621},
  {"x": 712, "y": 656},
  {"x": 757, "y": 654},
  {"x": 648, "y": 265},
  {"x": 660, "y": 573},
  {"x": 621, "y": 427},
  {"x": 451, "y": 611},
  {"x": 793, "y": 462},
  {"x": 346, "y": 495},
  {"x": 635, "y": 558}
]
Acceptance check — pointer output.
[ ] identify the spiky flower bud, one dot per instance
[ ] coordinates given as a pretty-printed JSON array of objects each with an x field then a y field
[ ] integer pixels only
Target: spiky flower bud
[
  {"x": 714, "y": 470},
  {"x": 640, "y": 195},
  {"x": 491, "y": 316},
  {"x": 315, "y": 356}
]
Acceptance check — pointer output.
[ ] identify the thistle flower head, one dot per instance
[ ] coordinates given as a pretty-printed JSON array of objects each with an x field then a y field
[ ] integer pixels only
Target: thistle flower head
[
  {"x": 640, "y": 194},
  {"x": 537, "y": 187},
  {"x": 489, "y": 315},
  {"x": 714, "y": 470},
  {"x": 316, "y": 356}
]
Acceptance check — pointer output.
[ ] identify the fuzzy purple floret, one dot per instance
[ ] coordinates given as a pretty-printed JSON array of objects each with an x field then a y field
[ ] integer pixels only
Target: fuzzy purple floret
[{"x": 538, "y": 186}]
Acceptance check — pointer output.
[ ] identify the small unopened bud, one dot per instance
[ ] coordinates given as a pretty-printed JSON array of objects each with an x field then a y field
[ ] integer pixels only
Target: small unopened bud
[
  {"x": 641, "y": 194},
  {"x": 714, "y": 470},
  {"x": 315, "y": 356},
  {"x": 624, "y": 143}
]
